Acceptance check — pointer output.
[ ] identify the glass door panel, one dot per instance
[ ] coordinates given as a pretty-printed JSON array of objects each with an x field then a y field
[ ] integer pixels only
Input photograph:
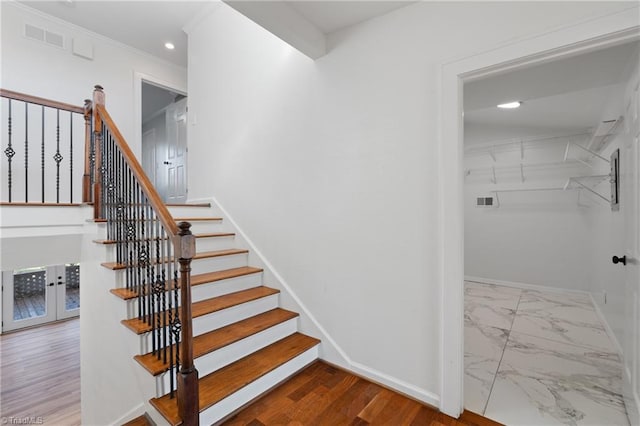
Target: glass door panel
[
  {"x": 68, "y": 289},
  {"x": 28, "y": 297}
]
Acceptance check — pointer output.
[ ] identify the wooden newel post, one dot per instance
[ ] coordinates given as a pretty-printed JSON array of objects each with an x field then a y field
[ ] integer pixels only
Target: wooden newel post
[
  {"x": 86, "y": 177},
  {"x": 188, "y": 406},
  {"x": 98, "y": 100}
]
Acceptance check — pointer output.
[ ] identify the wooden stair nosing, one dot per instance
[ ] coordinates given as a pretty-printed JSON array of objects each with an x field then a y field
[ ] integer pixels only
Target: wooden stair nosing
[
  {"x": 115, "y": 266},
  {"x": 213, "y": 340},
  {"x": 176, "y": 219},
  {"x": 209, "y": 235},
  {"x": 216, "y": 386},
  {"x": 208, "y": 306},
  {"x": 188, "y": 205},
  {"x": 198, "y": 279}
]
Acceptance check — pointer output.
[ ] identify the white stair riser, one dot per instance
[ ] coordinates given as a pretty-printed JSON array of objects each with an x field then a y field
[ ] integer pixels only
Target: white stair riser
[
  {"x": 220, "y": 263},
  {"x": 209, "y": 290},
  {"x": 190, "y": 211},
  {"x": 204, "y": 227},
  {"x": 231, "y": 403},
  {"x": 215, "y": 243},
  {"x": 224, "y": 356},
  {"x": 221, "y": 318}
]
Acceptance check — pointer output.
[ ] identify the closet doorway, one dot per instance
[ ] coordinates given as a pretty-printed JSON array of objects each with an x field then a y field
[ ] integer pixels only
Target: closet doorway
[{"x": 544, "y": 307}]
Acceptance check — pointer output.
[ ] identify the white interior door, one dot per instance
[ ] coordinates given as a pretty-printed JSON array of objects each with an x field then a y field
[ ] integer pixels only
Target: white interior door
[
  {"x": 630, "y": 187},
  {"x": 176, "y": 117}
]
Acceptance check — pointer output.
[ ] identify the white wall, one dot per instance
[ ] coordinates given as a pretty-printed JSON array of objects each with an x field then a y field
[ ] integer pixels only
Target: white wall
[
  {"x": 331, "y": 166},
  {"x": 540, "y": 237},
  {"x": 36, "y": 68}
]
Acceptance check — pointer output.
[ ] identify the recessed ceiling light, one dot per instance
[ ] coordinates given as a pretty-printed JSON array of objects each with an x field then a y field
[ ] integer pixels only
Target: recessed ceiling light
[
  {"x": 510, "y": 105},
  {"x": 169, "y": 45}
]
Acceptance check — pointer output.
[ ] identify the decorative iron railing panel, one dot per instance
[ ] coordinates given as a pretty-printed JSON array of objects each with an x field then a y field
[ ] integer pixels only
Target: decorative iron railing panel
[
  {"x": 41, "y": 140},
  {"x": 144, "y": 246}
]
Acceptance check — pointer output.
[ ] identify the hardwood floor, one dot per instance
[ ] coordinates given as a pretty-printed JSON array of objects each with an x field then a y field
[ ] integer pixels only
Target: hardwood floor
[
  {"x": 324, "y": 395},
  {"x": 40, "y": 375}
]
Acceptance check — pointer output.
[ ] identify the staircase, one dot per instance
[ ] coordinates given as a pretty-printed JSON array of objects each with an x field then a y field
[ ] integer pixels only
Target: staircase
[{"x": 244, "y": 344}]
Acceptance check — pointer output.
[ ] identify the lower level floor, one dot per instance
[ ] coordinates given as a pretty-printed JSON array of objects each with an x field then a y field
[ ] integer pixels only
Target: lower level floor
[{"x": 539, "y": 358}]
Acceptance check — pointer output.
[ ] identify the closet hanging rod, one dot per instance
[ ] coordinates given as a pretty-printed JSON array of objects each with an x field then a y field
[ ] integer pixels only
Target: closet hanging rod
[{"x": 546, "y": 139}]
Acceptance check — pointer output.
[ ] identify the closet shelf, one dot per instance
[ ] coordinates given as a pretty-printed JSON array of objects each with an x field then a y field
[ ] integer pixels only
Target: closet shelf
[{"x": 577, "y": 183}]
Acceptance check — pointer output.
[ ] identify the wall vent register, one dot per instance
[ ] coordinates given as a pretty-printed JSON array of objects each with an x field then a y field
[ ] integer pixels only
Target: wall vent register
[
  {"x": 484, "y": 202},
  {"x": 40, "y": 34}
]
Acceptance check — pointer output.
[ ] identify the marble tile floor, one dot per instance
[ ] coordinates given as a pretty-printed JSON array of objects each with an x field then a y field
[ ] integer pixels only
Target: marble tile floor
[{"x": 539, "y": 358}]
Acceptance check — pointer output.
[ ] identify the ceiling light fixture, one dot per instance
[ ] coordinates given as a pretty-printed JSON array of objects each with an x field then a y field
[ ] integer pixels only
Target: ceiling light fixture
[
  {"x": 510, "y": 105},
  {"x": 169, "y": 45}
]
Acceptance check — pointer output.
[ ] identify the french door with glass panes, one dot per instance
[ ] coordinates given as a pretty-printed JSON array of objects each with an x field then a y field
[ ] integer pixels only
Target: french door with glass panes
[{"x": 39, "y": 295}]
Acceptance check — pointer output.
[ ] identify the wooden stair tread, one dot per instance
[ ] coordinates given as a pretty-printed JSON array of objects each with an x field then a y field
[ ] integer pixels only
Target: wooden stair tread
[
  {"x": 208, "y": 306},
  {"x": 197, "y": 219},
  {"x": 139, "y": 421},
  {"x": 210, "y": 277},
  {"x": 218, "y": 385},
  {"x": 188, "y": 205},
  {"x": 216, "y": 339},
  {"x": 209, "y": 235},
  {"x": 202, "y": 255},
  {"x": 197, "y": 279}
]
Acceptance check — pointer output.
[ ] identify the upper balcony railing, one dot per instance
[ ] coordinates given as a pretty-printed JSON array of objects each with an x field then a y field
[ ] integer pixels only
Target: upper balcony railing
[{"x": 42, "y": 141}]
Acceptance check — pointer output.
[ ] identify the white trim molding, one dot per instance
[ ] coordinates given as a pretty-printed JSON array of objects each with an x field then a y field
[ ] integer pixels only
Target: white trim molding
[{"x": 581, "y": 37}]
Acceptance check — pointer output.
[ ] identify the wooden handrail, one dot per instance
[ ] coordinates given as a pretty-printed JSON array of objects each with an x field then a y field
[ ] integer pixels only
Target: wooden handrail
[
  {"x": 182, "y": 240},
  {"x": 136, "y": 168},
  {"x": 40, "y": 101}
]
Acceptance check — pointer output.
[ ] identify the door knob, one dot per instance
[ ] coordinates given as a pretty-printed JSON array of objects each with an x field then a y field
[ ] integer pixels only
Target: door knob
[
  {"x": 617, "y": 260},
  {"x": 167, "y": 162}
]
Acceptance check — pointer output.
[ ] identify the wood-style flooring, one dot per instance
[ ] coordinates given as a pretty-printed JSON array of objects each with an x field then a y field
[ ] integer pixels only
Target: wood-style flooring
[
  {"x": 323, "y": 395},
  {"x": 40, "y": 374}
]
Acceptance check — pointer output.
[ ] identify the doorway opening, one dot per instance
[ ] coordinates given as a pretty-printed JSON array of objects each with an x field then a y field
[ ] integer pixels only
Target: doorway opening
[
  {"x": 544, "y": 306},
  {"x": 164, "y": 140}
]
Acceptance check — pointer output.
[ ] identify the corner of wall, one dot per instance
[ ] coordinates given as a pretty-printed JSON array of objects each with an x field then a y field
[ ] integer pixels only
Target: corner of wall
[{"x": 330, "y": 350}]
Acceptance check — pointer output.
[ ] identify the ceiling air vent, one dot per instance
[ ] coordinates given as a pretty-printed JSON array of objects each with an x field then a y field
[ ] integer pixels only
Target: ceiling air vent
[{"x": 44, "y": 36}]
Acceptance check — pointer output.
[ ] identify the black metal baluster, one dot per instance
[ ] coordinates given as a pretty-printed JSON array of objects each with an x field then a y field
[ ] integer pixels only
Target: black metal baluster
[
  {"x": 26, "y": 152},
  {"x": 165, "y": 324},
  {"x": 42, "y": 156},
  {"x": 9, "y": 152},
  {"x": 70, "y": 156},
  {"x": 57, "y": 157},
  {"x": 175, "y": 327},
  {"x": 170, "y": 313}
]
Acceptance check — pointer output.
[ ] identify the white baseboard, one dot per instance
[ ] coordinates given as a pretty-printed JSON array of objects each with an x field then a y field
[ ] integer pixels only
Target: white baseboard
[
  {"x": 603, "y": 320},
  {"x": 346, "y": 362},
  {"x": 523, "y": 285},
  {"x": 394, "y": 383},
  {"x": 136, "y": 411}
]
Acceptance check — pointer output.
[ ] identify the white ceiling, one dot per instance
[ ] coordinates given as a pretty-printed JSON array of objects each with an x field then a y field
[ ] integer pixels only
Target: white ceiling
[
  {"x": 147, "y": 25},
  {"x": 559, "y": 98},
  {"x": 330, "y": 16}
]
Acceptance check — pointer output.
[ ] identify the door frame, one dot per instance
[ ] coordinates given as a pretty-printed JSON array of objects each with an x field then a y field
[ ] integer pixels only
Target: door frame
[
  {"x": 587, "y": 35},
  {"x": 138, "y": 79}
]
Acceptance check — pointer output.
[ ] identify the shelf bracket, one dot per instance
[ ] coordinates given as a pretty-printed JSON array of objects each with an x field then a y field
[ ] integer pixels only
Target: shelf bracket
[
  {"x": 522, "y": 172},
  {"x": 522, "y": 150},
  {"x": 494, "y": 180}
]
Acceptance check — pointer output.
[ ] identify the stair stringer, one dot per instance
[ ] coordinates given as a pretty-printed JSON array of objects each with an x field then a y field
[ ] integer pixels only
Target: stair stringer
[{"x": 329, "y": 349}]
